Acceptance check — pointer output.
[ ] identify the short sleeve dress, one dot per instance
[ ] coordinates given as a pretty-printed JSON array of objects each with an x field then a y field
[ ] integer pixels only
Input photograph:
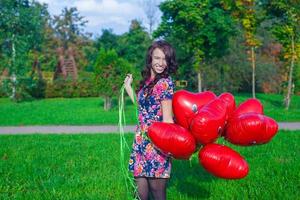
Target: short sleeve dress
[{"x": 145, "y": 160}]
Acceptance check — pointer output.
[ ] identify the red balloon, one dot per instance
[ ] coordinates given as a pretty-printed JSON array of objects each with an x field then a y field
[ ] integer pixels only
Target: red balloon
[
  {"x": 230, "y": 102},
  {"x": 250, "y": 105},
  {"x": 250, "y": 128},
  {"x": 209, "y": 122},
  {"x": 223, "y": 162},
  {"x": 172, "y": 139},
  {"x": 187, "y": 104}
]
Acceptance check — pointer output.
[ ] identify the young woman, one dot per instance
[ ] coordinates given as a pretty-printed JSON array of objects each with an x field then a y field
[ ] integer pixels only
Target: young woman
[{"x": 151, "y": 168}]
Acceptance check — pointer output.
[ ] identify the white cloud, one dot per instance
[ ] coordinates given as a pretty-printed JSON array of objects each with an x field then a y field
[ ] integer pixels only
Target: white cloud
[{"x": 114, "y": 14}]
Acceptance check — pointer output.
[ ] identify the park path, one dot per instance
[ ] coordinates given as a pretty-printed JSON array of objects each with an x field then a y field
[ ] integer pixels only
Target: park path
[{"x": 61, "y": 129}]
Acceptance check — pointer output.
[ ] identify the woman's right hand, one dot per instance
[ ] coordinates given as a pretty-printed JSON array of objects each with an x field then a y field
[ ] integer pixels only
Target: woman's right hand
[{"x": 128, "y": 80}]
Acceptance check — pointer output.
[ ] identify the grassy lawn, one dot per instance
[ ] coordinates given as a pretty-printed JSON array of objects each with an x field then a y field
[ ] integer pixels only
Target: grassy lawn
[
  {"x": 88, "y": 167},
  {"x": 88, "y": 111},
  {"x": 60, "y": 111}
]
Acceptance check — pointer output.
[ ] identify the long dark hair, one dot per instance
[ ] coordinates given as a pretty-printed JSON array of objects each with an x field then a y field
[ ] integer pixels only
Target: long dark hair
[{"x": 171, "y": 64}]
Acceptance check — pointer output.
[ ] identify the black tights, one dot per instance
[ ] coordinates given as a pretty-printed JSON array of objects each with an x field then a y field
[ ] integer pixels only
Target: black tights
[{"x": 156, "y": 186}]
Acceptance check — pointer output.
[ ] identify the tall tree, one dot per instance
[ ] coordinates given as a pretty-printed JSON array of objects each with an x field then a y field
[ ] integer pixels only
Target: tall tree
[
  {"x": 133, "y": 44},
  {"x": 203, "y": 28},
  {"x": 245, "y": 13},
  {"x": 108, "y": 40},
  {"x": 286, "y": 29},
  {"x": 69, "y": 30},
  {"x": 20, "y": 35},
  {"x": 69, "y": 25},
  {"x": 110, "y": 71}
]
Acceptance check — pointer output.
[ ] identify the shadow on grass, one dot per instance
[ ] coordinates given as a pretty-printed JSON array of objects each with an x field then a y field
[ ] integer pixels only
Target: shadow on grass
[{"x": 188, "y": 179}]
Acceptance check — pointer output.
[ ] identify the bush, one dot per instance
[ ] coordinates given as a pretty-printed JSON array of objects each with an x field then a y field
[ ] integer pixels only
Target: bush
[
  {"x": 27, "y": 89},
  {"x": 83, "y": 87}
]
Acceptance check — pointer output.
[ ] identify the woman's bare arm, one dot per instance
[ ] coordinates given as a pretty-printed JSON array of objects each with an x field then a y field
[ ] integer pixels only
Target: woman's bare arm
[
  {"x": 127, "y": 82},
  {"x": 130, "y": 93},
  {"x": 167, "y": 111}
]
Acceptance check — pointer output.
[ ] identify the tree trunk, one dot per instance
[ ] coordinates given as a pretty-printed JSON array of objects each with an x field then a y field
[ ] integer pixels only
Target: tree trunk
[
  {"x": 289, "y": 89},
  {"x": 107, "y": 103},
  {"x": 222, "y": 78},
  {"x": 13, "y": 76},
  {"x": 199, "y": 82},
  {"x": 253, "y": 71}
]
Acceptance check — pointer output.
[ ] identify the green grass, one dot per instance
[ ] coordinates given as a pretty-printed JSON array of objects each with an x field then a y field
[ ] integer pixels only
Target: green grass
[
  {"x": 75, "y": 111},
  {"x": 89, "y": 111},
  {"x": 88, "y": 167},
  {"x": 273, "y": 106}
]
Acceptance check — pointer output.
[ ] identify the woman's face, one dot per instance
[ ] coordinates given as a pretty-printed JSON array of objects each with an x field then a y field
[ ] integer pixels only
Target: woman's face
[{"x": 159, "y": 63}]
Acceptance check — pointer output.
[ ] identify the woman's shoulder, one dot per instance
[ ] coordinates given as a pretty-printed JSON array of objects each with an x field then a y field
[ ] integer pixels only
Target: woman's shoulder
[
  {"x": 167, "y": 80},
  {"x": 164, "y": 83}
]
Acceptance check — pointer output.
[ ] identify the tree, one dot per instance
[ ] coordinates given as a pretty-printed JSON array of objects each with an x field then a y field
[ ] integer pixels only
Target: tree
[
  {"x": 69, "y": 26},
  {"x": 133, "y": 45},
  {"x": 245, "y": 13},
  {"x": 110, "y": 71},
  {"x": 18, "y": 36},
  {"x": 202, "y": 27},
  {"x": 287, "y": 32},
  {"x": 108, "y": 40}
]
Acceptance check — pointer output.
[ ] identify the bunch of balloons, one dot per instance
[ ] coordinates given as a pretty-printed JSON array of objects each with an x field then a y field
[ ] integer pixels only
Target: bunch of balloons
[{"x": 203, "y": 117}]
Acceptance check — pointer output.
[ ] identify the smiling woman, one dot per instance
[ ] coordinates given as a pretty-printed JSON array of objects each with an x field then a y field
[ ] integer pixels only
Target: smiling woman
[{"x": 151, "y": 168}]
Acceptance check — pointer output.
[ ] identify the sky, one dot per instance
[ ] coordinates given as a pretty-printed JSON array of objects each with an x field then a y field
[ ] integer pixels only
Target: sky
[{"x": 104, "y": 14}]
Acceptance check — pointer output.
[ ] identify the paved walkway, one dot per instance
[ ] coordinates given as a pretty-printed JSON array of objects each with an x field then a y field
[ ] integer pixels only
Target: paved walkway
[
  {"x": 96, "y": 129},
  {"x": 62, "y": 129}
]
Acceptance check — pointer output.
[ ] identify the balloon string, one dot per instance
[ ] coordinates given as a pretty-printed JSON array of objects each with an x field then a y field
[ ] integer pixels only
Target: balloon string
[{"x": 129, "y": 180}]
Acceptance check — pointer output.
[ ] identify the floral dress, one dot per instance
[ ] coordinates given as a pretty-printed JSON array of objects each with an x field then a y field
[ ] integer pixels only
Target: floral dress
[{"x": 145, "y": 159}]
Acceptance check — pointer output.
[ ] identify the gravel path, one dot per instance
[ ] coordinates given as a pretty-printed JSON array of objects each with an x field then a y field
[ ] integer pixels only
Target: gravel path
[{"x": 96, "y": 129}]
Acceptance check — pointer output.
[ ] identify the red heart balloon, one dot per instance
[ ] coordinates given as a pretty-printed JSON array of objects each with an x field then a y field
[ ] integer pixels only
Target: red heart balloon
[
  {"x": 223, "y": 162},
  {"x": 209, "y": 122},
  {"x": 250, "y": 128},
  {"x": 172, "y": 139},
  {"x": 230, "y": 103},
  {"x": 250, "y": 105},
  {"x": 187, "y": 104}
]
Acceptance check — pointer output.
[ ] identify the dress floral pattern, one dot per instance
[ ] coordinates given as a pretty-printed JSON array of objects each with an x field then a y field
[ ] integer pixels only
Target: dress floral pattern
[{"x": 145, "y": 160}]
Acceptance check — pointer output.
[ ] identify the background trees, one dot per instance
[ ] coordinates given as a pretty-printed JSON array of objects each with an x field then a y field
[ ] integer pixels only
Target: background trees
[
  {"x": 202, "y": 29},
  {"x": 247, "y": 14},
  {"x": 20, "y": 37},
  {"x": 214, "y": 42},
  {"x": 110, "y": 71},
  {"x": 286, "y": 15}
]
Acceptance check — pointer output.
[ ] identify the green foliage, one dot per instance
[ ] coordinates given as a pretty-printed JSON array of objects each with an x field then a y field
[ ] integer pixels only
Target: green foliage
[
  {"x": 286, "y": 30},
  {"x": 249, "y": 15},
  {"x": 69, "y": 26},
  {"x": 20, "y": 35},
  {"x": 131, "y": 46},
  {"x": 201, "y": 29},
  {"x": 203, "y": 33},
  {"x": 201, "y": 25},
  {"x": 134, "y": 44},
  {"x": 110, "y": 71},
  {"x": 108, "y": 40},
  {"x": 84, "y": 87}
]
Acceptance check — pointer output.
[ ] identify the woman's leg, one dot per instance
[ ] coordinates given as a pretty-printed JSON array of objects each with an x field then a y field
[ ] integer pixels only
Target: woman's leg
[
  {"x": 142, "y": 188},
  {"x": 158, "y": 187}
]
